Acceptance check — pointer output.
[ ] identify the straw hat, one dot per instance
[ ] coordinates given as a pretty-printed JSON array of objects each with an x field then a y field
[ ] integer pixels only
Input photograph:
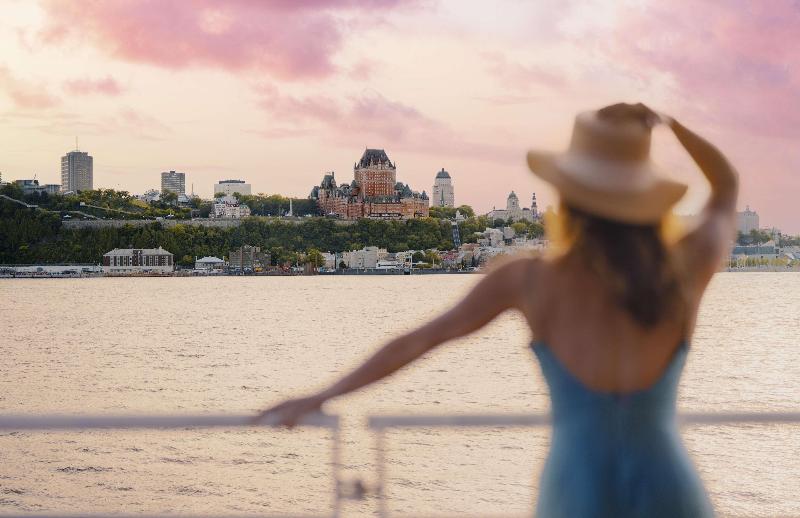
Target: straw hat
[{"x": 607, "y": 170}]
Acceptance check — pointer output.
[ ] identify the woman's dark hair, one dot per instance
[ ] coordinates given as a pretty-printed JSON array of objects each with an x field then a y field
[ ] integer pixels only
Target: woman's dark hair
[{"x": 633, "y": 260}]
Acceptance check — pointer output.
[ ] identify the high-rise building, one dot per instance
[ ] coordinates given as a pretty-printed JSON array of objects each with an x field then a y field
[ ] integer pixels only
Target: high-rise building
[
  {"x": 747, "y": 220},
  {"x": 174, "y": 182},
  {"x": 443, "y": 195},
  {"x": 229, "y": 187},
  {"x": 77, "y": 171}
]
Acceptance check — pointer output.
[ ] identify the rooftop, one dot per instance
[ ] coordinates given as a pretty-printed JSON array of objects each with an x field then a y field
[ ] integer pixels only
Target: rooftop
[
  {"x": 144, "y": 251},
  {"x": 442, "y": 174},
  {"x": 374, "y": 157},
  {"x": 208, "y": 259}
]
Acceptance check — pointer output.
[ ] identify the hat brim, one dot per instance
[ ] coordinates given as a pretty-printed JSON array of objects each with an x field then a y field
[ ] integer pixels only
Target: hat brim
[{"x": 639, "y": 205}]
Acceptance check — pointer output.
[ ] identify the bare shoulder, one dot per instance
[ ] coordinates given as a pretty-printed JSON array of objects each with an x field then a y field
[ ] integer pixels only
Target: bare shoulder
[
  {"x": 523, "y": 280},
  {"x": 701, "y": 252},
  {"x": 518, "y": 270}
]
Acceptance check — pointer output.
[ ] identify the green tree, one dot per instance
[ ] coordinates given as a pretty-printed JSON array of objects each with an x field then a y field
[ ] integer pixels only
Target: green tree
[{"x": 315, "y": 258}]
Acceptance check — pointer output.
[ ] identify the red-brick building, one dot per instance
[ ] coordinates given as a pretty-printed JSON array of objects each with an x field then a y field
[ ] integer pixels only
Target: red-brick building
[{"x": 373, "y": 193}]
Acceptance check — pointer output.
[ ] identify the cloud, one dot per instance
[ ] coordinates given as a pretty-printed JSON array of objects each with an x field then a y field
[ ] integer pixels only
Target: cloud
[
  {"x": 106, "y": 86},
  {"x": 26, "y": 94},
  {"x": 521, "y": 77},
  {"x": 368, "y": 117},
  {"x": 287, "y": 39},
  {"x": 126, "y": 122},
  {"x": 738, "y": 61}
]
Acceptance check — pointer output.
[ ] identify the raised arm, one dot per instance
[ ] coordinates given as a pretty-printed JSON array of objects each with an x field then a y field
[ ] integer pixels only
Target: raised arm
[
  {"x": 703, "y": 249},
  {"x": 496, "y": 292}
]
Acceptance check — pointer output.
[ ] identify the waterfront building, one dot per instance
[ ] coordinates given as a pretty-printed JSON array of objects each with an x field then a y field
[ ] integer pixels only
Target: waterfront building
[
  {"x": 138, "y": 260},
  {"x": 747, "y": 220},
  {"x": 373, "y": 193},
  {"x": 388, "y": 264},
  {"x": 33, "y": 186},
  {"x": 228, "y": 207},
  {"x": 442, "y": 194},
  {"x": 77, "y": 171},
  {"x": 209, "y": 264},
  {"x": 330, "y": 261},
  {"x": 230, "y": 187},
  {"x": 514, "y": 212},
  {"x": 248, "y": 258},
  {"x": 367, "y": 257},
  {"x": 173, "y": 182}
]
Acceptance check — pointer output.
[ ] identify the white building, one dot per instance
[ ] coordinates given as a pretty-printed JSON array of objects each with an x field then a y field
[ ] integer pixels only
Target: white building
[
  {"x": 514, "y": 212},
  {"x": 747, "y": 220},
  {"x": 229, "y": 187},
  {"x": 330, "y": 261},
  {"x": 150, "y": 196},
  {"x": 138, "y": 260},
  {"x": 387, "y": 264},
  {"x": 367, "y": 257},
  {"x": 209, "y": 264},
  {"x": 491, "y": 237},
  {"x": 229, "y": 207},
  {"x": 443, "y": 194}
]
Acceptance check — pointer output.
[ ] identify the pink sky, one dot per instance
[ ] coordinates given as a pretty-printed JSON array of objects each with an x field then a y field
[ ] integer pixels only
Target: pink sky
[{"x": 279, "y": 92}]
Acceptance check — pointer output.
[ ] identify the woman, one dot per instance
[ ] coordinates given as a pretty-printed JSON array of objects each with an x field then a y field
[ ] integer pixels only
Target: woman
[{"x": 612, "y": 315}]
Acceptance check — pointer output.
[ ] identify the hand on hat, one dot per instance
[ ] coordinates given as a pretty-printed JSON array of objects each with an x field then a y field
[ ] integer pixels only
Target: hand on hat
[{"x": 622, "y": 112}]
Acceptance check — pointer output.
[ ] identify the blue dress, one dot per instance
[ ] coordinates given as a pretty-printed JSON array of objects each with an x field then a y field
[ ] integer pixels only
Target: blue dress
[{"x": 616, "y": 455}]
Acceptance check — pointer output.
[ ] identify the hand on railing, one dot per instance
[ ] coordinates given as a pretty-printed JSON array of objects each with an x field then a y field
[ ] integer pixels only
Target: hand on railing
[{"x": 290, "y": 412}]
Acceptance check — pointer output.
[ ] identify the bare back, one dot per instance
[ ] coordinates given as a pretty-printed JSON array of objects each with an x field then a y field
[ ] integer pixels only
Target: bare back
[{"x": 571, "y": 310}]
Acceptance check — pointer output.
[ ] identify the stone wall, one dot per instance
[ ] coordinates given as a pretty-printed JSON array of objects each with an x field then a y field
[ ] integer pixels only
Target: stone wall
[{"x": 167, "y": 223}]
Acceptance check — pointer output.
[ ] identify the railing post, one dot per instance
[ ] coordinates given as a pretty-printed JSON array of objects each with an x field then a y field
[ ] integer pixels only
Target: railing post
[
  {"x": 336, "y": 463},
  {"x": 380, "y": 466}
]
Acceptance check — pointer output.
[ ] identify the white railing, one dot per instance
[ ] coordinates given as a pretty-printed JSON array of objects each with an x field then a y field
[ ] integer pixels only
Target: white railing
[
  {"x": 378, "y": 424},
  {"x": 47, "y": 423}
]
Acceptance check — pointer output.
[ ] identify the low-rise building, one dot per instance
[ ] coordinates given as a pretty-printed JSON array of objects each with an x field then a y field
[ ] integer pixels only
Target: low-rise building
[
  {"x": 150, "y": 196},
  {"x": 330, "y": 261},
  {"x": 138, "y": 260},
  {"x": 388, "y": 264},
  {"x": 491, "y": 237},
  {"x": 367, "y": 257},
  {"x": 209, "y": 264},
  {"x": 248, "y": 258},
  {"x": 33, "y": 186},
  {"x": 228, "y": 207}
]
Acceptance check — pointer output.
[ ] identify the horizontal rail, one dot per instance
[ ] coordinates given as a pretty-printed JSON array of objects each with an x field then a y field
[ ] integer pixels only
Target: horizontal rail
[
  {"x": 533, "y": 420},
  {"x": 165, "y": 515},
  {"x": 161, "y": 422}
]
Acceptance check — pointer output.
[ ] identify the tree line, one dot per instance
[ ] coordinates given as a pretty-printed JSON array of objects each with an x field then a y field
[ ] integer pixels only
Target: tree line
[{"x": 31, "y": 236}]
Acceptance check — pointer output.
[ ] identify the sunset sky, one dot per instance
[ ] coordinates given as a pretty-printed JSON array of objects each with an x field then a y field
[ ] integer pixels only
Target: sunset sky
[{"x": 277, "y": 93}]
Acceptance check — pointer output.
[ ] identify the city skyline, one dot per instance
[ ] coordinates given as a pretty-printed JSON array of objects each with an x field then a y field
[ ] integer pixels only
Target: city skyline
[{"x": 280, "y": 118}]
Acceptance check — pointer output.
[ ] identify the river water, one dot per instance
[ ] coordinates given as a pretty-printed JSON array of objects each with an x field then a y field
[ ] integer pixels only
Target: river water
[{"x": 237, "y": 344}]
